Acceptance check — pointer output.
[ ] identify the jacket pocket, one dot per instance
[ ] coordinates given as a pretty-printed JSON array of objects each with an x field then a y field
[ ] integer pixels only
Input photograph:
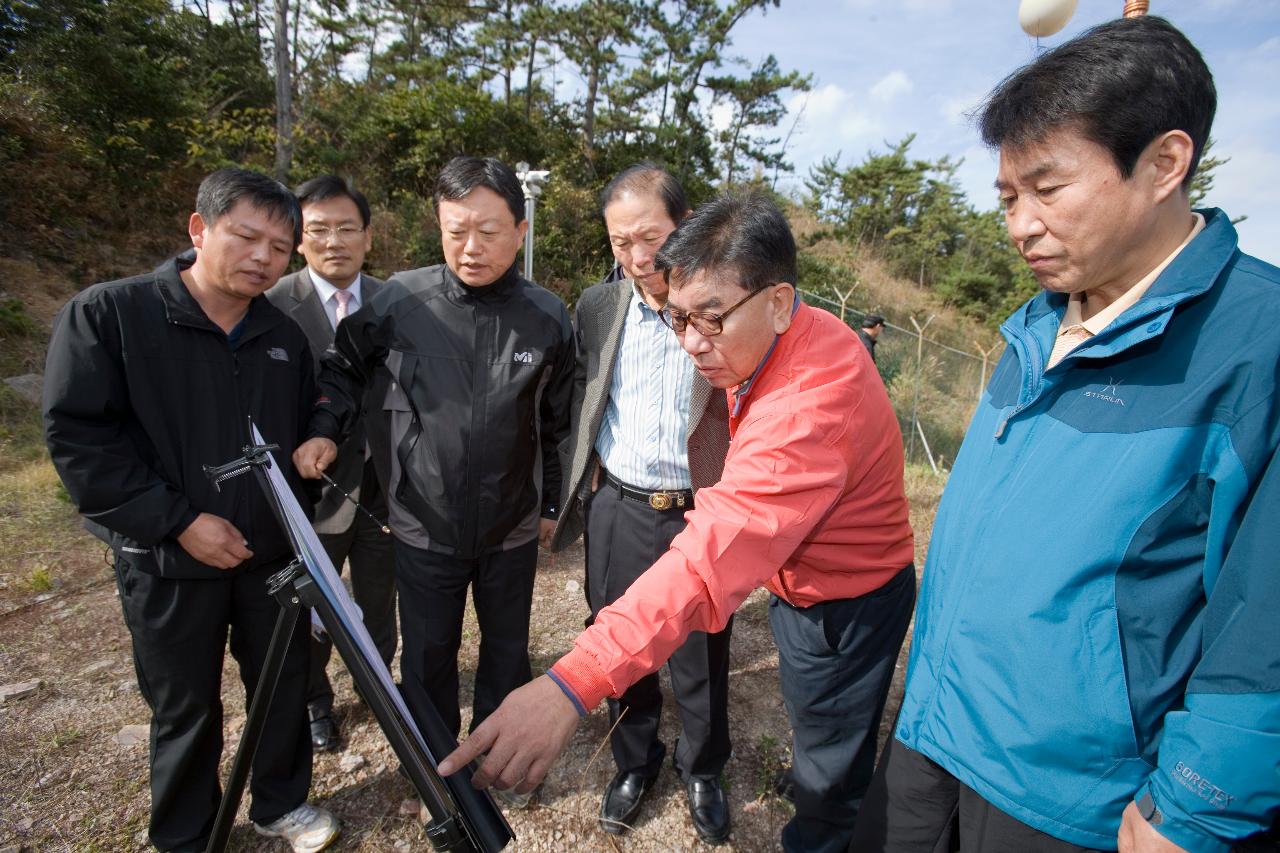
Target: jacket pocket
[
  {"x": 1108, "y": 686},
  {"x": 419, "y": 483}
]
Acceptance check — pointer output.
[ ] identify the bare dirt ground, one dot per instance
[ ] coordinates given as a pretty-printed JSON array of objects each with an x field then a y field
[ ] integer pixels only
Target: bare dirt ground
[{"x": 67, "y": 783}]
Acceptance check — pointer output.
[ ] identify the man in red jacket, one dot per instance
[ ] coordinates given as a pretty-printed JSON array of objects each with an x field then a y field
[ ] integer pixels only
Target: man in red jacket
[{"x": 811, "y": 505}]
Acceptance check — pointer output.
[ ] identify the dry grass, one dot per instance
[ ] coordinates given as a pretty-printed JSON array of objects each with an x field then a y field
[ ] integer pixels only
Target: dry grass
[
  {"x": 40, "y": 538},
  {"x": 881, "y": 292}
]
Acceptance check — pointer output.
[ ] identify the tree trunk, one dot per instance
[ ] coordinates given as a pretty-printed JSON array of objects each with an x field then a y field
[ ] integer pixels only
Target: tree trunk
[
  {"x": 666, "y": 89},
  {"x": 257, "y": 24},
  {"x": 732, "y": 154},
  {"x": 284, "y": 94},
  {"x": 589, "y": 110},
  {"x": 528, "y": 77},
  {"x": 507, "y": 62},
  {"x": 293, "y": 50}
]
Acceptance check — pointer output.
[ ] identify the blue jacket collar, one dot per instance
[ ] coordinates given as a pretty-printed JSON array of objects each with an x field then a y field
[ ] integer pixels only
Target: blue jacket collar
[{"x": 1191, "y": 274}]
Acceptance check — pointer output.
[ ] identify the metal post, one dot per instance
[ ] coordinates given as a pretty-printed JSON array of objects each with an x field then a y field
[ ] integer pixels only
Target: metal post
[
  {"x": 915, "y": 397},
  {"x": 982, "y": 374},
  {"x": 928, "y": 454},
  {"x": 531, "y": 181},
  {"x": 529, "y": 206}
]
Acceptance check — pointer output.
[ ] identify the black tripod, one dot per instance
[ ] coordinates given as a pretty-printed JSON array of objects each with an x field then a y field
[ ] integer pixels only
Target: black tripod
[{"x": 462, "y": 818}]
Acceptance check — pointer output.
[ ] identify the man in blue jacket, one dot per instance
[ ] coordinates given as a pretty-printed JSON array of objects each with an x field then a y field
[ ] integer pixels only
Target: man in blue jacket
[{"x": 1096, "y": 658}]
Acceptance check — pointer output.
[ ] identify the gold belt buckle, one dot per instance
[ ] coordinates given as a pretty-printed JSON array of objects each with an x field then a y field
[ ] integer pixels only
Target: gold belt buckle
[{"x": 663, "y": 500}]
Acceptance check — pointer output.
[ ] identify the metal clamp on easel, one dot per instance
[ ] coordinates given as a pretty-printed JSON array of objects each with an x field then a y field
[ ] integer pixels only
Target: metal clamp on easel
[{"x": 462, "y": 818}]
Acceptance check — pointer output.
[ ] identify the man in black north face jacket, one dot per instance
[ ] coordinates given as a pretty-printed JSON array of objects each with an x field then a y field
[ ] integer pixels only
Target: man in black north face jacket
[
  {"x": 148, "y": 379},
  {"x": 483, "y": 367}
]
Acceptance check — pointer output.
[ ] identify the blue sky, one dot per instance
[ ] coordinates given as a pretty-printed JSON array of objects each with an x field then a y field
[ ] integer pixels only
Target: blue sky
[{"x": 886, "y": 68}]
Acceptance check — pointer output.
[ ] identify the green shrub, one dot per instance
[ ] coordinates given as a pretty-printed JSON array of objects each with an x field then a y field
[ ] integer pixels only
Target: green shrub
[{"x": 14, "y": 319}]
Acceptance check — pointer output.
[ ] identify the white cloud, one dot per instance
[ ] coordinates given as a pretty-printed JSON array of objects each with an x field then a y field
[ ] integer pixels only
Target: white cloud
[
  {"x": 891, "y": 86},
  {"x": 831, "y": 121},
  {"x": 955, "y": 109},
  {"x": 720, "y": 114},
  {"x": 1245, "y": 186},
  {"x": 977, "y": 175}
]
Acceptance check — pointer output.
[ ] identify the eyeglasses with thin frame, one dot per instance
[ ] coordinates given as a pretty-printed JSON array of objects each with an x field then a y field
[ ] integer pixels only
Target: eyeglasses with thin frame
[
  {"x": 708, "y": 324},
  {"x": 344, "y": 233}
]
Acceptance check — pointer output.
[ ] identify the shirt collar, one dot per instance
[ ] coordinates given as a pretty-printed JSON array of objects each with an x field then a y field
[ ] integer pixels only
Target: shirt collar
[
  {"x": 642, "y": 309},
  {"x": 1108, "y": 315},
  {"x": 325, "y": 290}
]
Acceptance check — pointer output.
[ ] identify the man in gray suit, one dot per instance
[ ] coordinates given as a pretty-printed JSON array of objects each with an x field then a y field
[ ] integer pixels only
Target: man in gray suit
[
  {"x": 335, "y": 239},
  {"x": 647, "y": 432}
]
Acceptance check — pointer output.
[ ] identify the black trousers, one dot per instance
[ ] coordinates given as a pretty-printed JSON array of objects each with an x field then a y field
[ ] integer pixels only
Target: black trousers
[
  {"x": 836, "y": 661},
  {"x": 623, "y": 539},
  {"x": 373, "y": 586},
  {"x": 433, "y": 598},
  {"x": 179, "y": 629},
  {"x": 914, "y": 806}
]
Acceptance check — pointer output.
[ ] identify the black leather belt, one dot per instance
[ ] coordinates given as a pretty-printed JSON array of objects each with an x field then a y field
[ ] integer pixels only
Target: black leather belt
[{"x": 660, "y": 500}]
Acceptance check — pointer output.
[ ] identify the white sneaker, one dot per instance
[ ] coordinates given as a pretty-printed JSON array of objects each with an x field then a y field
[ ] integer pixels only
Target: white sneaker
[{"x": 306, "y": 828}]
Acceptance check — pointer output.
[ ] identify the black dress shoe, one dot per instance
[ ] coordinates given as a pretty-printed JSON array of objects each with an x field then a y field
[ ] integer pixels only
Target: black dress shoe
[
  {"x": 622, "y": 800},
  {"x": 324, "y": 734},
  {"x": 709, "y": 810}
]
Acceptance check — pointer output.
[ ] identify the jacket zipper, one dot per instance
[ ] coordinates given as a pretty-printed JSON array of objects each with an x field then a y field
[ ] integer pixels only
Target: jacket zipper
[{"x": 480, "y": 400}]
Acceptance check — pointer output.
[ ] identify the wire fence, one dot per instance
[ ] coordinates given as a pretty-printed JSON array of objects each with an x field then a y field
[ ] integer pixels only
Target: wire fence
[{"x": 933, "y": 386}]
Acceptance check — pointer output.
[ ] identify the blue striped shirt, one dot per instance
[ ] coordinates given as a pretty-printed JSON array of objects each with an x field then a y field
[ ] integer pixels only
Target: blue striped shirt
[{"x": 643, "y": 437}]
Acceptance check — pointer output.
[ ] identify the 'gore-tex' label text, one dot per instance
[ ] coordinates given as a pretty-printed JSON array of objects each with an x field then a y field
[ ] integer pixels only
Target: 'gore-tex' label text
[{"x": 1202, "y": 787}]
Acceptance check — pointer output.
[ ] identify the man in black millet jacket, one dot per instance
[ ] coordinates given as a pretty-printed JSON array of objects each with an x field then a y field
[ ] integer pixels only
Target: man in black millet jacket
[
  {"x": 148, "y": 379},
  {"x": 483, "y": 367}
]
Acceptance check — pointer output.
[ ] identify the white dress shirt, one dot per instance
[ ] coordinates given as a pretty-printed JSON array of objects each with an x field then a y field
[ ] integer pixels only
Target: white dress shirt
[
  {"x": 643, "y": 437},
  {"x": 326, "y": 292}
]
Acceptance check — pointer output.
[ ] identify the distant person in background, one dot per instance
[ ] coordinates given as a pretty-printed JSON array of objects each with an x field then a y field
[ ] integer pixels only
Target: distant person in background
[
  {"x": 872, "y": 326},
  {"x": 1096, "y": 658},
  {"x": 648, "y": 432},
  {"x": 482, "y": 363},
  {"x": 335, "y": 238},
  {"x": 148, "y": 380}
]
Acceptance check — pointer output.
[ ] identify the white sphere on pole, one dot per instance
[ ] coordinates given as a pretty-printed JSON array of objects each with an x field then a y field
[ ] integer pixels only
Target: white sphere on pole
[{"x": 1042, "y": 18}]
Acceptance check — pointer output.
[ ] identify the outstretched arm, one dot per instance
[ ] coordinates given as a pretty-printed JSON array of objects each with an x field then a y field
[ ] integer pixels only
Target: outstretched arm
[{"x": 743, "y": 530}]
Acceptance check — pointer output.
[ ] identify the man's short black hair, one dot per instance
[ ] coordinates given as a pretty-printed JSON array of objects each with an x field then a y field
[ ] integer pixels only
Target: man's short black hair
[
  {"x": 648, "y": 178},
  {"x": 220, "y": 191},
  {"x": 461, "y": 175},
  {"x": 871, "y": 321},
  {"x": 1120, "y": 85},
  {"x": 744, "y": 234},
  {"x": 325, "y": 187}
]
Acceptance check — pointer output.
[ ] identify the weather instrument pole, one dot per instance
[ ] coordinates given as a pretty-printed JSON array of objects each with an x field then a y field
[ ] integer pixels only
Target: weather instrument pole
[{"x": 531, "y": 181}]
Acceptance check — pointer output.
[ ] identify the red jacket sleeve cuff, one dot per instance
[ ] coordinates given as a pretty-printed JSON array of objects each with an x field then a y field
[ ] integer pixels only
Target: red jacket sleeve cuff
[{"x": 578, "y": 674}]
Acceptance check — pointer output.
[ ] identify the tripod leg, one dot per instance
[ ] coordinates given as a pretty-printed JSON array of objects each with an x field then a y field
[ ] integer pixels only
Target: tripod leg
[{"x": 258, "y": 708}]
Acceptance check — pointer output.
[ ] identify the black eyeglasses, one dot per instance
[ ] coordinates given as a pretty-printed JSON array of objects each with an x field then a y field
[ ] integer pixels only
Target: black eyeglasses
[{"x": 708, "y": 324}]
